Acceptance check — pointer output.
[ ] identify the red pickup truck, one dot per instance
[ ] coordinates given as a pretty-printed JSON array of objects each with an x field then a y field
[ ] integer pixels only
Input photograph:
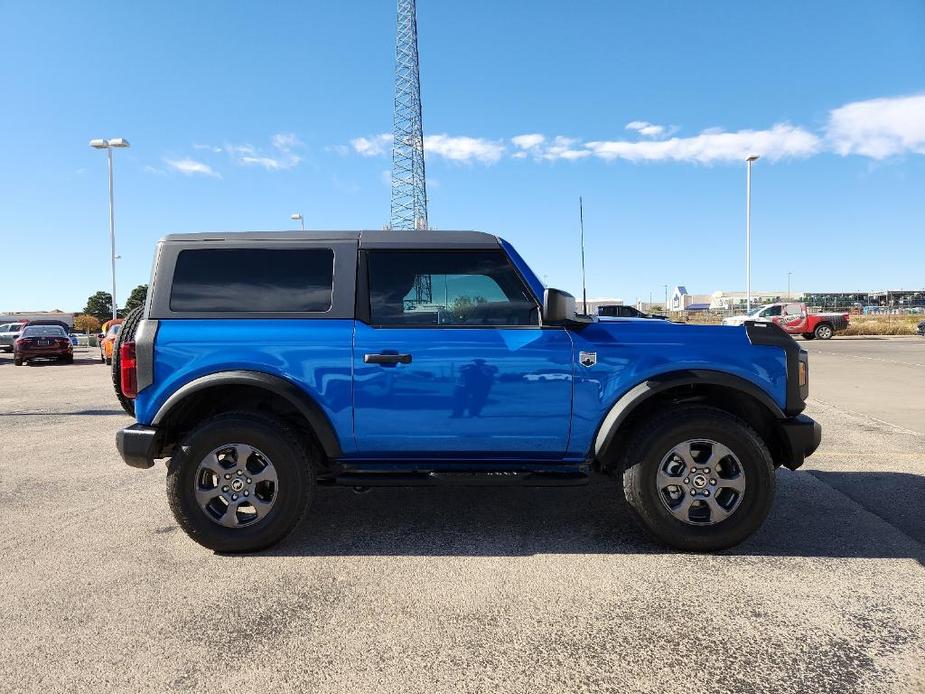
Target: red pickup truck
[{"x": 796, "y": 319}]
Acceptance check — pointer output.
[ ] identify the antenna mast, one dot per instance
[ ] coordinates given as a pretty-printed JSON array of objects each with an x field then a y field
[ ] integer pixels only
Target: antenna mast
[{"x": 584, "y": 292}]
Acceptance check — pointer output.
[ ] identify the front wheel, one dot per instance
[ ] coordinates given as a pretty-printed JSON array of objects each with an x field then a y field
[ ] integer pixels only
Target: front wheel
[
  {"x": 698, "y": 478},
  {"x": 239, "y": 482},
  {"x": 823, "y": 331},
  {"x": 808, "y": 336}
]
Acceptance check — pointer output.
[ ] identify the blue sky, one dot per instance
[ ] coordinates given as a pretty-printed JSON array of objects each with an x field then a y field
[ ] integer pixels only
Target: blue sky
[{"x": 241, "y": 113}]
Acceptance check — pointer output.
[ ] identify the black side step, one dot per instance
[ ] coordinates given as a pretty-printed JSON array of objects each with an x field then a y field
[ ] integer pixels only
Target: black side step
[{"x": 460, "y": 479}]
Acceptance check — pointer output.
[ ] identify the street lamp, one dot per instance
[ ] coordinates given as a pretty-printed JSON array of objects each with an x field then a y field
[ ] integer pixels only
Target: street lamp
[
  {"x": 748, "y": 230},
  {"x": 109, "y": 145},
  {"x": 788, "y": 286},
  {"x": 299, "y": 218}
]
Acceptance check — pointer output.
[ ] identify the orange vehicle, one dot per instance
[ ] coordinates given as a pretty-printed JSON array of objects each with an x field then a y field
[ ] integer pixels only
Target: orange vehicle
[{"x": 110, "y": 330}]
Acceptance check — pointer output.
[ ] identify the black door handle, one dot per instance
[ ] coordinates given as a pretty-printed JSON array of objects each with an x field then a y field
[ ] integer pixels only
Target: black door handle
[{"x": 388, "y": 359}]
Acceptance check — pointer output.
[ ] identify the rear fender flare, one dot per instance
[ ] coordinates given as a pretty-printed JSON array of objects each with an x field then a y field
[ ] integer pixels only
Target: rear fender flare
[
  {"x": 635, "y": 396},
  {"x": 297, "y": 397}
]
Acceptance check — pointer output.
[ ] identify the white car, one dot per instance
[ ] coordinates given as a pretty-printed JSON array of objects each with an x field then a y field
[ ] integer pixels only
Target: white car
[{"x": 762, "y": 314}]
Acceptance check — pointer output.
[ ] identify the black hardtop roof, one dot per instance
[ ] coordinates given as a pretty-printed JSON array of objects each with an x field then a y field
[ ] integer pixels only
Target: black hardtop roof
[{"x": 371, "y": 238}]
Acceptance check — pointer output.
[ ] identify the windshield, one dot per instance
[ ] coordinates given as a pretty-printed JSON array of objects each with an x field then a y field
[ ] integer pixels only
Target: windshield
[
  {"x": 44, "y": 331},
  {"x": 755, "y": 311}
]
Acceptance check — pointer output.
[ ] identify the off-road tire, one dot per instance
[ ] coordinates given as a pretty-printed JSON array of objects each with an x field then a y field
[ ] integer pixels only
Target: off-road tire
[
  {"x": 808, "y": 336},
  {"x": 655, "y": 439},
  {"x": 279, "y": 443},
  {"x": 127, "y": 333},
  {"x": 824, "y": 331}
]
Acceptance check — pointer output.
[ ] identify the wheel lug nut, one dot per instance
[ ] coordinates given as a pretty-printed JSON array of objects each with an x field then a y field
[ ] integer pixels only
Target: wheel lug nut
[
  {"x": 225, "y": 488},
  {"x": 240, "y": 473},
  {"x": 248, "y": 480},
  {"x": 693, "y": 470},
  {"x": 706, "y": 492},
  {"x": 707, "y": 470},
  {"x": 246, "y": 493},
  {"x": 693, "y": 492},
  {"x": 713, "y": 482},
  {"x": 687, "y": 480},
  {"x": 234, "y": 497},
  {"x": 227, "y": 476}
]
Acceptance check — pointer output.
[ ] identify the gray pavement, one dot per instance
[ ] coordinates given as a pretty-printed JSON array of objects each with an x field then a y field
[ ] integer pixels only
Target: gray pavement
[
  {"x": 881, "y": 377},
  {"x": 427, "y": 590}
]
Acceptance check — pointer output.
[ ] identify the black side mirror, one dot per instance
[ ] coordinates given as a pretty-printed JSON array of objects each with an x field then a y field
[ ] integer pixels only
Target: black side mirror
[{"x": 559, "y": 307}]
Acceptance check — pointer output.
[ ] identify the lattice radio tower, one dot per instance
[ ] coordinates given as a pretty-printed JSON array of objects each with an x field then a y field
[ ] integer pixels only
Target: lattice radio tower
[{"x": 409, "y": 189}]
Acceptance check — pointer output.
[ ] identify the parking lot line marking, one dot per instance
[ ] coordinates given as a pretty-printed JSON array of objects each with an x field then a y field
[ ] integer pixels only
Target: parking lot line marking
[{"x": 866, "y": 416}]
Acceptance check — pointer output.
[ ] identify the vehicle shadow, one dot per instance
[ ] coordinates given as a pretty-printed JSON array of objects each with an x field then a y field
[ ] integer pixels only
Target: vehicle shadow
[
  {"x": 78, "y": 413},
  {"x": 812, "y": 517}
]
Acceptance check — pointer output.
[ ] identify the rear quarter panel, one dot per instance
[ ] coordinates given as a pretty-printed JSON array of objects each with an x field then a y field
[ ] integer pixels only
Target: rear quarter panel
[{"x": 314, "y": 354}]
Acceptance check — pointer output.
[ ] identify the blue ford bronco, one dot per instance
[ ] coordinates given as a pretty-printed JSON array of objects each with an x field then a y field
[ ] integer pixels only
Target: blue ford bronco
[{"x": 267, "y": 365}]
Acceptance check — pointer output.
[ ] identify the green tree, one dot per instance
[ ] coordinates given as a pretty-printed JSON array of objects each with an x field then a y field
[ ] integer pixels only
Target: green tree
[
  {"x": 99, "y": 306},
  {"x": 136, "y": 298}
]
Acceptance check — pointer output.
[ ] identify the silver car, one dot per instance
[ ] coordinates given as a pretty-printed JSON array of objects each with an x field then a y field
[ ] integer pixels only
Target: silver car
[{"x": 8, "y": 333}]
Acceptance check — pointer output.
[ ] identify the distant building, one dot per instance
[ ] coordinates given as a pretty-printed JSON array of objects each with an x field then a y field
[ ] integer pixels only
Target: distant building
[
  {"x": 13, "y": 316},
  {"x": 727, "y": 301},
  {"x": 682, "y": 300}
]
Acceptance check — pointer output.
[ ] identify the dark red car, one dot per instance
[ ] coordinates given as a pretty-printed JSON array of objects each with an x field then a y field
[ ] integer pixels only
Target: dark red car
[{"x": 42, "y": 342}]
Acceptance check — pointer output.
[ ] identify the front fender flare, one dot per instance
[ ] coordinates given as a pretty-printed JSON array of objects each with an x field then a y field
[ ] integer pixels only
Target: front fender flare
[
  {"x": 297, "y": 397},
  {"x": 635, "y": 396}
]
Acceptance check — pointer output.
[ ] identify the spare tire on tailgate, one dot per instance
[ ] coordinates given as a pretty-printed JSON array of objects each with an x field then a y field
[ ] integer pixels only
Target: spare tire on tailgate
[{"x": 129, "y": 326}]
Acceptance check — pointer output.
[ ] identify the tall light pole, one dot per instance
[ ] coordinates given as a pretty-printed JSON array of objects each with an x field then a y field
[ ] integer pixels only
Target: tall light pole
[
  {"x": 109, "y": 145},
  {"x": 666, "y": 298},
  {"x": 748, "y": 230},
  {"x": 299, "y": 218},
  {"x": 789, "y": 295}
]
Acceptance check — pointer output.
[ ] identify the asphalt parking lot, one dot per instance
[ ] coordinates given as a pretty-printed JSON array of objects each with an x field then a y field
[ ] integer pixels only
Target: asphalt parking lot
[{"x": 466, "y": 590}]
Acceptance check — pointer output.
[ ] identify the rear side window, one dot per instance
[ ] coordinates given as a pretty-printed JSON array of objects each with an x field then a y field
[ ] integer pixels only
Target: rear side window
[{"x": 239, "y": 280}]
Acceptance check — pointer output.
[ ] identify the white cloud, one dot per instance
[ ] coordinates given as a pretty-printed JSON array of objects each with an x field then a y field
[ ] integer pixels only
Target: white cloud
[
  {"x": 879, "y": 128},
  {"x": 374, "y": 146},
  {"x": 711, "y": 146},
  {"x": 463, "y": 149},
  {"x": 211, "y": 148},
  {"x": 285, "y": 141},
  {"x": 528, "y": 141},
  {"x": 283, "y": 158},
  {"x": 564, "y": 148},
  {"x": 646, "y": 128},
  {"x": 456, "y": 148},
  {"x": 190, "y": 167}
]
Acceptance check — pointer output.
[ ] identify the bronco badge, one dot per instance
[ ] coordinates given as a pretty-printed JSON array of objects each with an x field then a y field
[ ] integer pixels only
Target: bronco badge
[{"x": 587, "y": 358}]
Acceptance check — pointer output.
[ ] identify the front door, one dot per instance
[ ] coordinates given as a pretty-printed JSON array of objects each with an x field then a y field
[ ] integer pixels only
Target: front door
[{"x": 451, "y": 360}]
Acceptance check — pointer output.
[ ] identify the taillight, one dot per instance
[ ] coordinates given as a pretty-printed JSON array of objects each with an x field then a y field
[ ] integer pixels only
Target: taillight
[{"x": 127, "y": 368}]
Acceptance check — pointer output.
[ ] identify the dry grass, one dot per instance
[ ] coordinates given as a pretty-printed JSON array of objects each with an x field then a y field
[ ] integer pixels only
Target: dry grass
[
  {"x": 882, "y": 325},
  {"x": 857, "y": 325}
]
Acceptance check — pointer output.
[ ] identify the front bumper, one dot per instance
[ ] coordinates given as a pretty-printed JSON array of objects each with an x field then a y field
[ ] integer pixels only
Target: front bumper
[
  {"x": 803, "y": 436},
  {"x": 138, "y": 445}
]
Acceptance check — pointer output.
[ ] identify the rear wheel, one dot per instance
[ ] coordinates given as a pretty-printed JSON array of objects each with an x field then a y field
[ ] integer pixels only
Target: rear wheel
[
  {"x": 698, "y": 478},
  {"x": 102, "y": 356},
  {"x": 824, "y": 331},
  {"x": 126, "y": 334},
  {"x": 239, "y": 482},
  {"x": 17, "y": 361}
]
